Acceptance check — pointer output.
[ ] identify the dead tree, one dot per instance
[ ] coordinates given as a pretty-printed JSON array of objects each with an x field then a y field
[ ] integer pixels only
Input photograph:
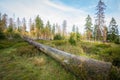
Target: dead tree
[{"x": 82, "y": 67}]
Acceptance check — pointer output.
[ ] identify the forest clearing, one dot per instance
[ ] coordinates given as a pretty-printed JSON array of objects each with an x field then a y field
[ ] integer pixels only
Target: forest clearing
[{"x": 66, "y": 40}]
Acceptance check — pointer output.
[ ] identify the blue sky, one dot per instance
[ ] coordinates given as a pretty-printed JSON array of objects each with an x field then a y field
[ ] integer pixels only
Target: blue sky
[{"x": 74, "y": 11}]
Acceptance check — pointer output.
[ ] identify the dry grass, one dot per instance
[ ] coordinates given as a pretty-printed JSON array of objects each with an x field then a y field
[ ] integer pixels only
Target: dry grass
[{"x": 39, "y": 61}]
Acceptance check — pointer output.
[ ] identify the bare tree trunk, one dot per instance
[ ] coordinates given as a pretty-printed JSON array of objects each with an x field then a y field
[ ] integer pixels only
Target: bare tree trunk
[{"x": 82, "y": 67}]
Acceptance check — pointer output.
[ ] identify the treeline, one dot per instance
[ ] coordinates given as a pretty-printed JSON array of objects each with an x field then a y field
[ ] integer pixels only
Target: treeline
[
  {"x": 37, "y": 28},
  {"x": 9, "y": 28}
]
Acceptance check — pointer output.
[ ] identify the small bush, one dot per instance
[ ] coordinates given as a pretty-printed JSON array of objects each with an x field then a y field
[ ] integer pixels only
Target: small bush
[
  {"x": 59, "y": 42},
  {"x": 2, "y": 36},
  {"x": 117, "y": 41},
  {"x": 103, "y": 45},
  {"x": 27, "y": 51},
  {"x": 42, "y": 41},
  {"x": 78, "y": 36},
  {"x": 113, "y": 55},
  {"x": 58, "y": 37},
  {"x": 90, "y": 48},
  {"x": 72, "y": 39},
  {"x": 115, "y": 73},
  {"x": 16, "y": 36}
]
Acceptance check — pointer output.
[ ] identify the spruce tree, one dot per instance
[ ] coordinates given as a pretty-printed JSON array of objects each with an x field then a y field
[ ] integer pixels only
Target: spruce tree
[
  {"x": 99, "y": 21},
  {"x": 64, "y": 27},
  {"x": 39, "y": 26},
  {"x": 113, "y": 33},
  {"x": 88, "y": 27}
]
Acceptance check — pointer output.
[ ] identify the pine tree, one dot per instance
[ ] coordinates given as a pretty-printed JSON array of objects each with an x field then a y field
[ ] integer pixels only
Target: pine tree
[
  {"x": 11, "y": 24},
  {"x": 39, "y": 26},
  {"x": 48, "y": 30},
  {"x": 104, "y": 34},
  {"x": 24, "y": 26},
  {"x": 2, "y": 36},
  {"x": 95, "y": 32},
  {"x": 1, "y": 22},
  {"x": 4, "y": 22},
  {"x": 10, "y": 28},
  {"x": 88, "y": 27},
  {"x": 53, "y": 29},
  {"x": 113, "y": 33},
  {"x": 32, "y": 28},
  {"x": 73, "y": 29},
  {"x": 100, "y": 22},
  {"x": 58, "y": 29},
  {"x": 64, "y": 27},
  {"x": 30, "y": 24},
  {"x": 77, "y": 34},
  {"x": 18, "y": 24}
]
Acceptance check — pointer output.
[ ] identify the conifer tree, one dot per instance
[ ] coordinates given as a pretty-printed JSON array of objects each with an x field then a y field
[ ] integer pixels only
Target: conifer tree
[
  {"x": 39, "y": 26},
  {"x": 64, "y": 27},
  {"x": 88, "y": 27},
  {"x": 99, "y": 21},
  {"x": 113, "y": 33}
]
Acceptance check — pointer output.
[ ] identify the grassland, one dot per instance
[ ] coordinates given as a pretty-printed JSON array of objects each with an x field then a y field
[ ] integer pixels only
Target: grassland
[{"x": 20, "y": 61}]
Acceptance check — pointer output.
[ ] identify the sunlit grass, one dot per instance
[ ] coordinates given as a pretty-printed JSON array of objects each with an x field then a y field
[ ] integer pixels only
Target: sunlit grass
[{"x": 13, "y": 66}]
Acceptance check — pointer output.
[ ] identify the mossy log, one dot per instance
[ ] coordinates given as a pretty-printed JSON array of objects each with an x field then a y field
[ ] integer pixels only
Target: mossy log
[{"x": 82, "y": 67}]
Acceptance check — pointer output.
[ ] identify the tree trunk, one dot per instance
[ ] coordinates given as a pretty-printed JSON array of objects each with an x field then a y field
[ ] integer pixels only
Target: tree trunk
[{"x": 82, "y": 67}]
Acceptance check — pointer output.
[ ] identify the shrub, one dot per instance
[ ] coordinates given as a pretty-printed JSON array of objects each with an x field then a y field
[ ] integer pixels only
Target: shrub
[
  {"x": 42, "y": 41},
  {"x": 78, "y": 36},
  {"x": 58, "y": 37},
  {"x": 16, "y": 36},
  {"x": 117, "y": 41},
  {"x": 2, "y": 36},
  {"x": 103, "y": 45},
  {"x": 72, "y": 39},
  {"x": 112, "y": 54},
  {"x": 90, "y": 48},
  {"x": 59, "y": 42},
  {"x": 115, "y": 73},
  {"x": 27, "y": 51}
]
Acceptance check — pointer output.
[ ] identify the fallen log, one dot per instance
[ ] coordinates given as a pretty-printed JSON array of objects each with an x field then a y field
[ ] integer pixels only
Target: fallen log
[{"x": 82, "y": 67}]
